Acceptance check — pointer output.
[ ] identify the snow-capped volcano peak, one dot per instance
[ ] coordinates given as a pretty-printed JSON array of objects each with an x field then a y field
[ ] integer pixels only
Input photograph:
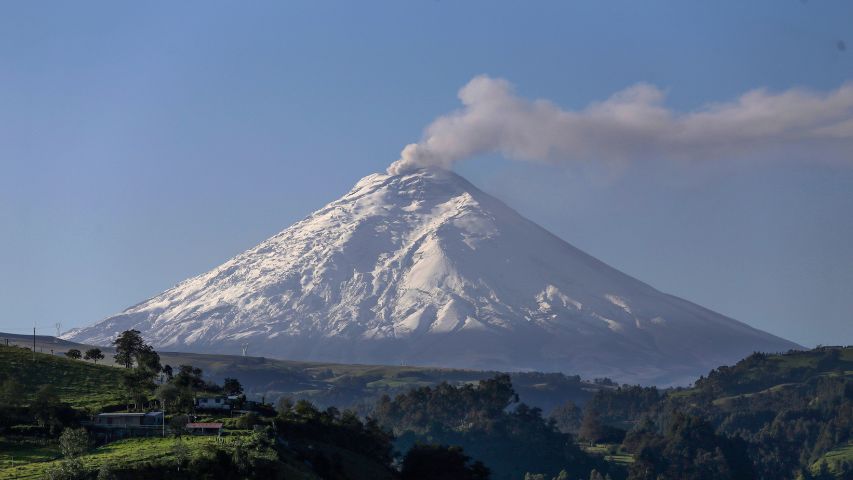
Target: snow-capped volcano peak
[{"x": 424, "y": 268}]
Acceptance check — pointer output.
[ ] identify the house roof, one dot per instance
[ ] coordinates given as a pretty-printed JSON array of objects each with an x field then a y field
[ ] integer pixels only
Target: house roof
[
  {"x": 129, "y": 414},
  {"x": 204, "y": 425}
]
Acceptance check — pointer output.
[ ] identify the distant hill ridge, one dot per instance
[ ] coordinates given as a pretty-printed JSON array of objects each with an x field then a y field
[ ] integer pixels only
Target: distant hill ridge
[{"x": 326, "y": 384}]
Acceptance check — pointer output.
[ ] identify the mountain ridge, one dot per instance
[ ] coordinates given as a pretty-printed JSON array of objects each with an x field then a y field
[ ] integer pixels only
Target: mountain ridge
[{"x": 424, "y": 268}]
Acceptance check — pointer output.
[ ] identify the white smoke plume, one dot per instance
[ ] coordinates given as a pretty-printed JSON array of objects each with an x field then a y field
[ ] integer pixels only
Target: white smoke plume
[{"x": 635, "y": 124}]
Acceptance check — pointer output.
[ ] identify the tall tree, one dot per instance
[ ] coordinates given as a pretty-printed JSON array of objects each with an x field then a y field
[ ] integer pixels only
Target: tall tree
[
  {"x": 128, "y": 344},
  {"x": 168, "y": 394},
  {"x": 591, "y": 428},
  {"x": 73, "y": 442},
  {"x": 231, "y": 386}
]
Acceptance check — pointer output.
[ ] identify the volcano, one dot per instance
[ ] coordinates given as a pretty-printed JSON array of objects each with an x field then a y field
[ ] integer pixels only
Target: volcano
[{"x": 423, "y": 268}]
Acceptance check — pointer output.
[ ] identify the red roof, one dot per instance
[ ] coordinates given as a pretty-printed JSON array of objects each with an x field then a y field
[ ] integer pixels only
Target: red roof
[{"x": 204, "y": 425}]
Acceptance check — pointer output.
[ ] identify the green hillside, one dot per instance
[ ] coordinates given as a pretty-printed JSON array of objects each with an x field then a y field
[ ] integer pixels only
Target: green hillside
[
  {"x": 118, "y": 454},
  {"x": 785, "y": 416},
  {"x": 764, "y": 374},
  {"x": 834, "y": 459},
  {"x": 788, "y": 413},
  {"x": 339, "y": 385},
  {"x": 81, "y": 384}
]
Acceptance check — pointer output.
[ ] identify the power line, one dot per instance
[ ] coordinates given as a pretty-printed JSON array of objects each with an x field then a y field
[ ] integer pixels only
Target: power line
[{"x": 27, "y": 330}]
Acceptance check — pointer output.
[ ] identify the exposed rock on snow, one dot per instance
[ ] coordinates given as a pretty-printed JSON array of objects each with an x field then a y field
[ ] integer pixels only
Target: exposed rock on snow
[{"x": 424, "y": 268}]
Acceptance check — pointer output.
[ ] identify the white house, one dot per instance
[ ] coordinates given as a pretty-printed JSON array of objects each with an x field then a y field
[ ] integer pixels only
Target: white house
[{"x": 212, "y": 403}]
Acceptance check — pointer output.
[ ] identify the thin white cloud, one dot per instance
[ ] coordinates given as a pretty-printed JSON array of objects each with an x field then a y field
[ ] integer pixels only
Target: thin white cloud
[{"x": 635, "y": 124}]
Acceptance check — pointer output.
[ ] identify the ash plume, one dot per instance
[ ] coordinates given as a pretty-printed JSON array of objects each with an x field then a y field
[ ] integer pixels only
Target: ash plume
[{"x": 635, "y": 124}]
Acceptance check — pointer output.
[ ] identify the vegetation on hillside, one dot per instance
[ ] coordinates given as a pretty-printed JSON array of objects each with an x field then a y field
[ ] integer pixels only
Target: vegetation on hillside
[
  {"x": 79, "y": 384},
  {"x": 492, "y": 426},
  {"x": 767, "y": 417}
]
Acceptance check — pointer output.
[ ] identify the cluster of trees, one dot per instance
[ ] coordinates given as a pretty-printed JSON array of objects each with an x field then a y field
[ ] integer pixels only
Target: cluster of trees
[
  {"x": 181, "y": 385},
  {"x": 302, "y": 420},
  {"x": 766, "y": 417},
  {"x": 486, "y": 420},
  {"x": 303, "y": 425},
  {"x": 688, "y": 448},
  {"x": 142, "y": 366},
  {"x": 94, "y": 354},
  {"x": 608, "y": 415}
]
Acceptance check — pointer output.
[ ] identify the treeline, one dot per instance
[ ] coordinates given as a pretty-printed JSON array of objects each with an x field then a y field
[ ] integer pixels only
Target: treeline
[{"x": 767, "y": 417}]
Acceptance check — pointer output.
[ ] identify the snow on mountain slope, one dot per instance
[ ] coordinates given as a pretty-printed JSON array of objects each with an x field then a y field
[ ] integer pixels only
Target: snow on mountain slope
[{"x": 424, "y": 268}]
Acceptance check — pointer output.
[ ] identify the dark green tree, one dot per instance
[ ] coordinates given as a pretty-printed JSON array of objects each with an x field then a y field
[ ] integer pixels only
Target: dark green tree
[
  {"x": 94, "y": 354},
  {"x": 128, "y": 344},
  {"x": 46, "y": 408},
  {"x": 189, "y": 377},
  {"x": 168, "y": 394},
  {"x": 73, "y": 442},
  {"x": 138, "y": 385},
  {"x": 148, "y": 359},
  {"x": 429, "y": 462},
  {"x": 231, "y": 386},
  {"x": 567, "y": 417},
  {"x": 10, "y": 393},
  {"x": 73, "y": 354}
]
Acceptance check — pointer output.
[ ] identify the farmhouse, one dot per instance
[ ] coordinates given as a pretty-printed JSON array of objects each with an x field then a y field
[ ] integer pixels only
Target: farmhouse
[
  {"x": 212, "y": 403},
  {"x": 127, "y": 420},
  {"x": 119, "y": 425}
]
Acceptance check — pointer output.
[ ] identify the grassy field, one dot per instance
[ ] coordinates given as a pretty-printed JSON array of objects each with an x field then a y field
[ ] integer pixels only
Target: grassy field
[
  {"x": 117, "y": 454},
  {"x": 835, "y": 457},
  {"x": 22, "y": 450},
  {"x": 132, "y": 452},
  {"x": 604, "y": 450},
  {"x": 81, "y": 384}
]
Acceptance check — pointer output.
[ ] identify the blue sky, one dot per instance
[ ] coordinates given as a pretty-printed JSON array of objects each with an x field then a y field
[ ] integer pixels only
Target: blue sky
[{"x": 143, "y": 143}]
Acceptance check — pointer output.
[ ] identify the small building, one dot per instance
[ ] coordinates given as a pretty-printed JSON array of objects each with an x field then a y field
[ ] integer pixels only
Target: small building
[
  {"x": 110, "y": 426},
  {"x": 212, "y": 403},
  {"x": 210, "y": 428},
  {"x": 128, "y": 420}
]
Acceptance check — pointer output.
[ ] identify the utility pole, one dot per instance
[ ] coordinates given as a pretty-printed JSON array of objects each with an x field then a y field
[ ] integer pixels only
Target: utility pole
[
  {"x": 245, "y": 347},
  {"x": 58, "y": 326},
  {"x": 34, "y": 342}
]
